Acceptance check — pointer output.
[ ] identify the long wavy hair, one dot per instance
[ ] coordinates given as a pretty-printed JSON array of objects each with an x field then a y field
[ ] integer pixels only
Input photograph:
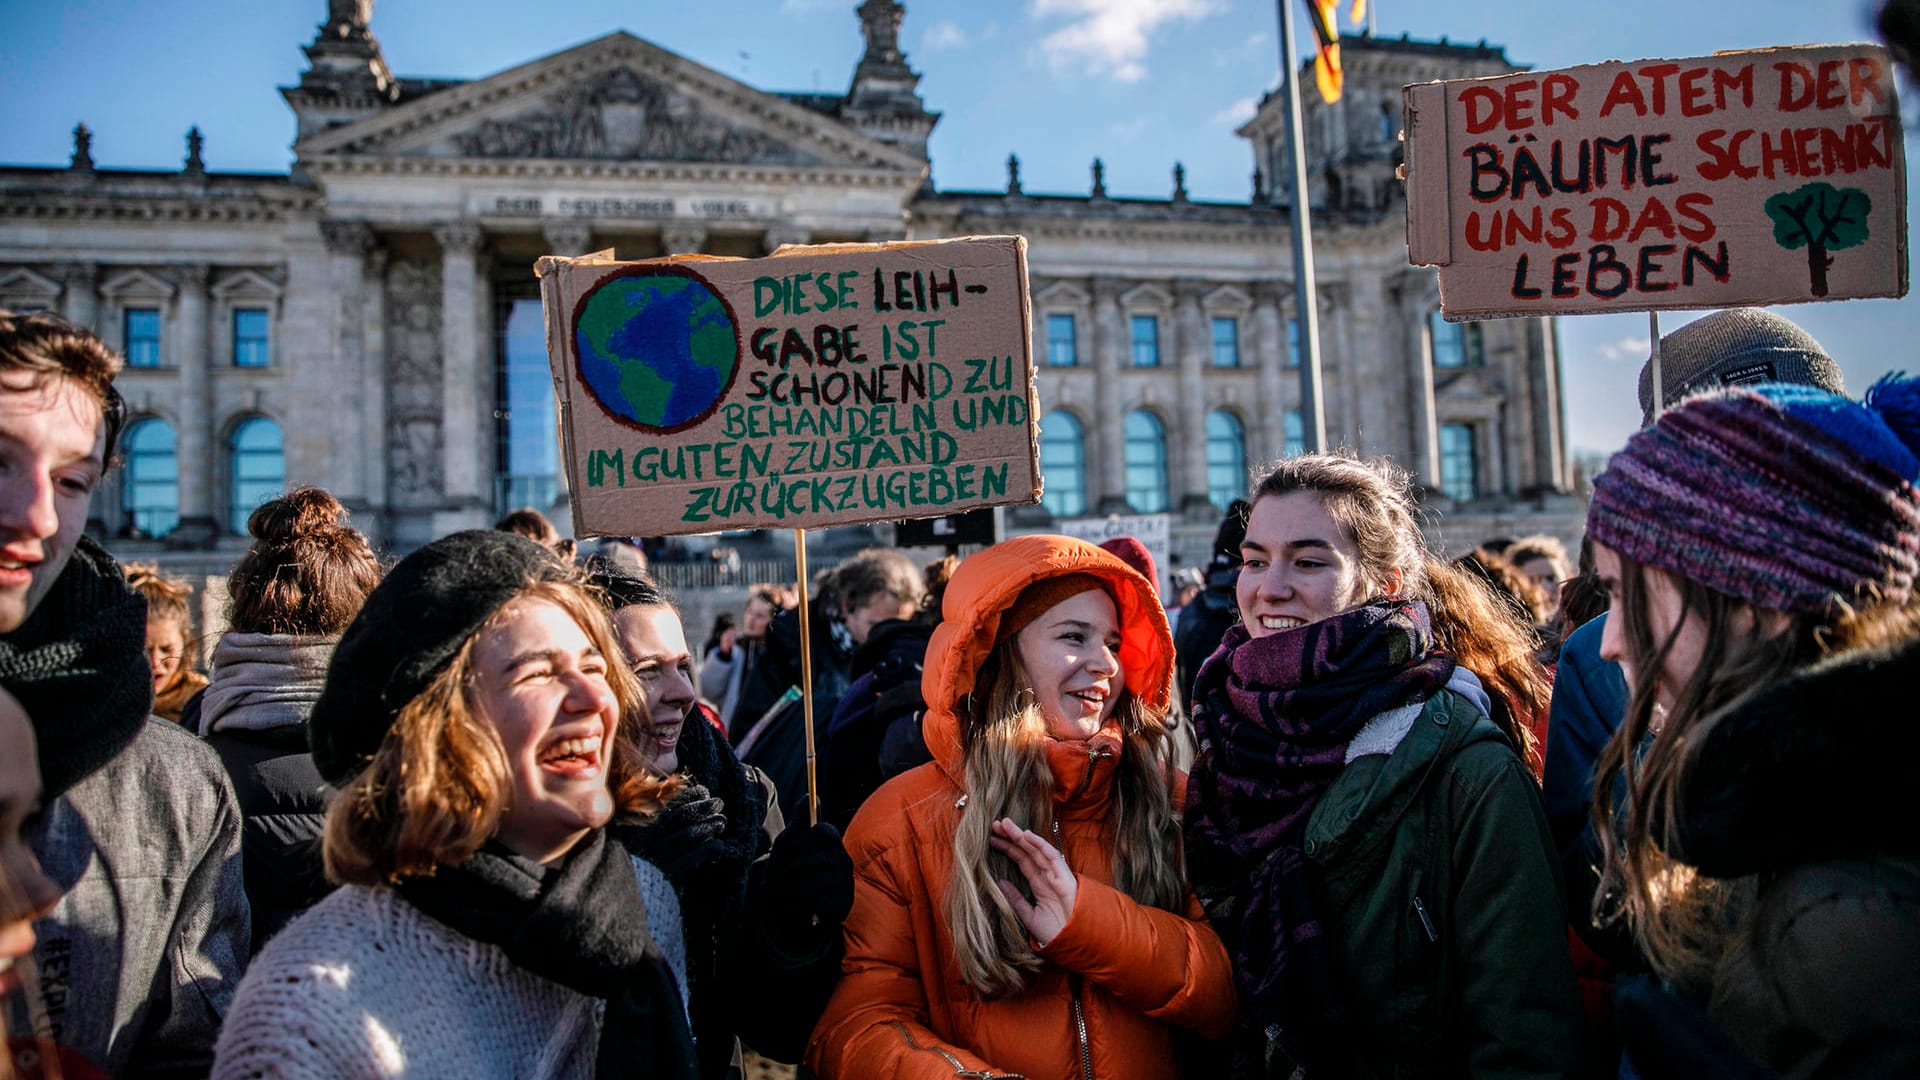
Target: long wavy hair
[
  {"x": 1004, "y": 736},
  {"x": 1373, "y": 501},
  {"x": 1681, "y": 921},
  {"x": 440, "y": 783}
]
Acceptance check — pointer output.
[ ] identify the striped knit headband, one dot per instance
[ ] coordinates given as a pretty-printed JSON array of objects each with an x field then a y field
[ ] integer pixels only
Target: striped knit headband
[{"x": 1787, "y": 497}]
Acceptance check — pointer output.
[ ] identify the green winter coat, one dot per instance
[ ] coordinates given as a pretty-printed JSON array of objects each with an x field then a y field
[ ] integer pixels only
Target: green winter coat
[{"x": 1436, "y": 870}]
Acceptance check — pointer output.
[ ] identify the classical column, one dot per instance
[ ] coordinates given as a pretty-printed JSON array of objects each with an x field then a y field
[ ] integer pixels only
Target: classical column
[
  {"x": 1543, "y": 390},
  {"x": 1109, "y": 341},
  {"x": 1270, "y": 345},
  {"x": 463, "y": 500},
  {"x": 1364, "y": 325},
  {"x": 568, "y": 238},
  {"x": 683, "y": 238},
  {"x": 348, "y": 243},
  {"x": 373, "y": 432},
  {"x": 196, "y": 446},
  {"x": 1192, "y": 344},
  {"x": 1425, "y": 424},
  {"x": 81, "y": 302}
]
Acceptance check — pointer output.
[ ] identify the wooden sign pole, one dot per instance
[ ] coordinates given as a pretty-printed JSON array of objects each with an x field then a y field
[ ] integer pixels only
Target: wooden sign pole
[{"x": 806, "y": 673}]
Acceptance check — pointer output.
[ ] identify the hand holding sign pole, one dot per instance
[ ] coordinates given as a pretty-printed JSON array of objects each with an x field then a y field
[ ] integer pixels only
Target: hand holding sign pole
[
  {"x": 823, "y": 385},
  {"x": 1660, "y": 184}
]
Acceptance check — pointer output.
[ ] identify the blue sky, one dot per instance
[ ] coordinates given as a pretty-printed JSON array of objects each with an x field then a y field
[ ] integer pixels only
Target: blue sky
[{"x": 1138, "y": 83}]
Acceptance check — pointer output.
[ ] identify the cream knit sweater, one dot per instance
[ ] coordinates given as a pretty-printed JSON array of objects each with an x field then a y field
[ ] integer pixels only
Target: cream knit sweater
[{"x": 364, "y": 985}]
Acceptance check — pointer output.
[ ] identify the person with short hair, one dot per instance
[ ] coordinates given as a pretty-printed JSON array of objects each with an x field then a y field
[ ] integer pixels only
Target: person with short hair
[
  {"x": 729, "y": 664},
  {"x": 535, "y": 526},
  {"x": 290, "y": 597},
  {"x": 138, "y": 960},
  {"x": 488, "y": 923},
  {"x": 171, "y": 651}
]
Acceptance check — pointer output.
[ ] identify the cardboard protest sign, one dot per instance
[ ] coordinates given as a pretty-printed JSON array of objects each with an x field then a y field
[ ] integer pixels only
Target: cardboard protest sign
[
  {"x": 824, "y": 385},
  {"x": 1154, "y": 531},
  {"x": 1763, "y": 177}
]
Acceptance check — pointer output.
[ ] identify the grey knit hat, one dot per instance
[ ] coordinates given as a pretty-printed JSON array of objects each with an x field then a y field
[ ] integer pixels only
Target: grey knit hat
[{"x": 1737, "y": 347}]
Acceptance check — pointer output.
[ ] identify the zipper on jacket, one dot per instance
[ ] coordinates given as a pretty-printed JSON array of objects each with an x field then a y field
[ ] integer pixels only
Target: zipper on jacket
[
  {"x": 1426, "y": 923},
  {"x": 1073, "y": 981},
  {"x": 961, "y": 1072},
  {"x": 1094, "y": 754}
]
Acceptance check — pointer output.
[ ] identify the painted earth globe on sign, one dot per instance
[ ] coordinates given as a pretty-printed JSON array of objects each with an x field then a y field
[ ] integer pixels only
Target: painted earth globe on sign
[{"x": 656, "y": 349}]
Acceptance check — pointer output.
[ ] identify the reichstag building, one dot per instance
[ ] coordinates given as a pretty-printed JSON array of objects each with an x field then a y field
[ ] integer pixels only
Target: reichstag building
[{"x": 369, "y": 321}]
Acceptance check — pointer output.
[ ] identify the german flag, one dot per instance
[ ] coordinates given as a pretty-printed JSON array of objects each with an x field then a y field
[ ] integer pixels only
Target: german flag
[{"x": 1326, "y": 62}]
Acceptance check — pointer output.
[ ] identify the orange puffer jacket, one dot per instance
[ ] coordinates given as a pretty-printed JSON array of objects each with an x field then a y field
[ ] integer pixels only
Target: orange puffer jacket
[{"x": 1119, "y": 976}]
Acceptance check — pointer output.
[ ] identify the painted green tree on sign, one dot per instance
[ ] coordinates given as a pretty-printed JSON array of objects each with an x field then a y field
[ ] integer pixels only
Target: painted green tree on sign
[{"x": 1820, "y": 218}]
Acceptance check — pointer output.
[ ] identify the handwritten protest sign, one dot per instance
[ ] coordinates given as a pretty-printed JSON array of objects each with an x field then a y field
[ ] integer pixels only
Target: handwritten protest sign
[
  {"x": 824, "y": 385},
  {"x": 1154, "y": 531},
  {"x": 1762, "y": 177}
]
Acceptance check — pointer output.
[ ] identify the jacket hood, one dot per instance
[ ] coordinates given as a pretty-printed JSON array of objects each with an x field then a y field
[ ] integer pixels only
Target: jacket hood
[
  {"x": 986, "y": 585},
  {"x": 1813, "y": 767}
]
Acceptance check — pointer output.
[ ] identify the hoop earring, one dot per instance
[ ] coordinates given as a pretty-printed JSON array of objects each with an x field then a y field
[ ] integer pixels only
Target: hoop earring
[{"x": 1026, "y": 699}]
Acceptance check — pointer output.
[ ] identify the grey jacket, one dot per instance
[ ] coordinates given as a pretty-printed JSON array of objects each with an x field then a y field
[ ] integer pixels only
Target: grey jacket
[{"x": 139, "y": 960}]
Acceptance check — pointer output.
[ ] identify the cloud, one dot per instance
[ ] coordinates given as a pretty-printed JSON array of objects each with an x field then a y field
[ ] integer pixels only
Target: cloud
[
  {"x": 810, "y": 7},
  {"x": 944, "y": 34},
  {"x": 1627, "y": 349},
  {"x": 1110, "y": 36},
  {"x": 1237, "y": 113},
  {"x": 1128, "y": 129}
]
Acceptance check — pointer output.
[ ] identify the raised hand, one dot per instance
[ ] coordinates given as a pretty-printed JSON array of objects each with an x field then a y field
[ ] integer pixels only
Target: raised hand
[{"x": 1049, "y": 879}]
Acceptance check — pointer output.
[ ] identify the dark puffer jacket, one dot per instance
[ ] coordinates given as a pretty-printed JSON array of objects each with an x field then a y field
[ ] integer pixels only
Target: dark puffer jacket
[
  {"x": 1807, "y": 785},
  {"x": 885, "y": 692}
]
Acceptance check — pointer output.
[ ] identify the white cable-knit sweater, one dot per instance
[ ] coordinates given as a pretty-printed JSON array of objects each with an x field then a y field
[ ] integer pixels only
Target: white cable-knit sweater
[{"x": 364, "y": 985}]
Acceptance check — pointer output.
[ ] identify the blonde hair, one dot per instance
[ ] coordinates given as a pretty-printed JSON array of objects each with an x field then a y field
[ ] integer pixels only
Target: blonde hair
[
  {"x": 1008, "y": 776},
  {"x": 1680, "y": 920},
  {"x": 1373, "y": 501},
  {"x": 437, "y": 787}
]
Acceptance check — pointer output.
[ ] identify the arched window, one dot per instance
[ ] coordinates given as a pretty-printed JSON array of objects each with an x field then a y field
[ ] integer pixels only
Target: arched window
[
  {"x": 1063, "y": 464},
  {"x": 1146, "y": 463},
  {"x": 1294, "y": 431},
  {"x": 151, "y": 492},
  {"x": 256, "y": 469},
  {"x": 1226, "y": 458}
]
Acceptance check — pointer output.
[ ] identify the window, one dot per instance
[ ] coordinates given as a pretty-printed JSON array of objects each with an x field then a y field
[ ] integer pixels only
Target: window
[
  {"x": 1146, "y": 458},
  {"x": 1226, "y": 458},
  {"x": 1061, "y": 351},
  {"x": 1063, "y": 464},
  {"x": 1293, "y": 343},
  {"x": 1389, "y": 123},
  {"x": 1458, "y": 468},
  {"x": 256, "y": 469},
  {"x": 1146, "y": 341},
  {"x": 150, "y": 495},
  {"x": 1455, "y": 344},
  {"x": 527, "y": 470},
  {"x": 142, "y": 326},
  {"x": 1293, "y": 430},
  {"x": 250, "y": 346},
  {"x": 1226, "y": 341}
]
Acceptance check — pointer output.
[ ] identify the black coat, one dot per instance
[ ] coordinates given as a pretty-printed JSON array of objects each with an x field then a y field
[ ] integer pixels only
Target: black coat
[
  {"x": 283, "y": 811},
  {"x": 1805, "y": 787},
  {"x": 885, "y": 692}
]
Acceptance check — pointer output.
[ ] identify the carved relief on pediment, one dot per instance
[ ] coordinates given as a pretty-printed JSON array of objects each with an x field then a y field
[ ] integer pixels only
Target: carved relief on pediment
[{"x": 623, "y": 115}]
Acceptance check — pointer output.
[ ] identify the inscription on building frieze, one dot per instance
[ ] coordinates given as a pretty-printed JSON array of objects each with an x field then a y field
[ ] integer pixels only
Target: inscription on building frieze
[{"x": 697, "y": 207}]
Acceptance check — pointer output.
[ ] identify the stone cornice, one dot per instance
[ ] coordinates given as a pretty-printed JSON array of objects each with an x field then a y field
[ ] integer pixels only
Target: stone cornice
[
  {"x": 594, "y": 169},
  {"x": 530, "y": 81},
  {"x": 123, "y": 208}
]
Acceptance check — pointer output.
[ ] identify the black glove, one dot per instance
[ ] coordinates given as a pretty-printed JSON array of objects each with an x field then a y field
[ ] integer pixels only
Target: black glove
[
  {"x": 682, "y": 839},
  {"x": 807, "y": 884}
]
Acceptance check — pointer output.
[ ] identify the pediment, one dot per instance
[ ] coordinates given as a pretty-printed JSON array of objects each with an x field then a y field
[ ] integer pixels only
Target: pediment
[
  {"x": 617, "y": 98},
  {"x": 1466, "y": 384},
  {"x": 23, "y": 282}
]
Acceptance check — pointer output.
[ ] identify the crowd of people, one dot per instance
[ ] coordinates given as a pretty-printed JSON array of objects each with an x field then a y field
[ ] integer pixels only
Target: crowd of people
[{"x": 1336, "y": 805}]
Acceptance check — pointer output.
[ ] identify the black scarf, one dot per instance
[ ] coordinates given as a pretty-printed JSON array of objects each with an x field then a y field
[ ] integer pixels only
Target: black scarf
[
  {"x": 78, "y": 667},
  {"x": 580, "y": 923}
]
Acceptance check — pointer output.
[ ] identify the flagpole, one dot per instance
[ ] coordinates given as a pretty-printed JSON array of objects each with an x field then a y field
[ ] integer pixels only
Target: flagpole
[{"x": 1313, "y": 420}]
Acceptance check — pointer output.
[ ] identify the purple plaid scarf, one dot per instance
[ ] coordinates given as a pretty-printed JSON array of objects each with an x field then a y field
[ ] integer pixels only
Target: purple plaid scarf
[{"x": 1274, "y": 716}]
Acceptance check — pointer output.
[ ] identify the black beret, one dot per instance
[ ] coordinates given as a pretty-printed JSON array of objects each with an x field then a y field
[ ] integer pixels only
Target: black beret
[{"x": 411, "y": 627}]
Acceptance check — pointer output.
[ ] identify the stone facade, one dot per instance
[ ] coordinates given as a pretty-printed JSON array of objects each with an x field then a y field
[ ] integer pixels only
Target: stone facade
[{"x": 383, "y": 268}]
